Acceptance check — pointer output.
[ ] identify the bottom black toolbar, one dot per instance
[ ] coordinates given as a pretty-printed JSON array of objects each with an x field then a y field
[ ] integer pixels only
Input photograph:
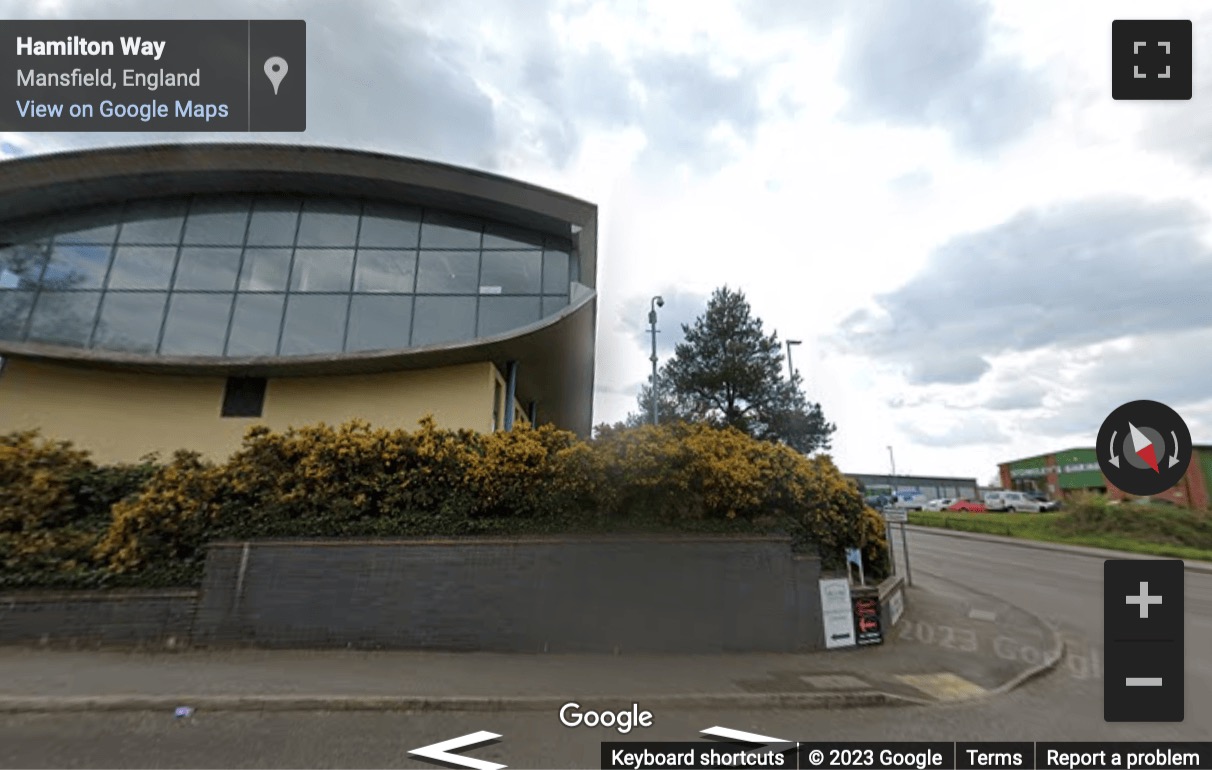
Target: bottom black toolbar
[{"x": 908, "y": 756}]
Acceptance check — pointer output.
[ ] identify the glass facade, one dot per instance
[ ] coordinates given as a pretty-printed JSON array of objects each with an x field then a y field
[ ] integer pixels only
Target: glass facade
[{"x": 245, "y": 276}]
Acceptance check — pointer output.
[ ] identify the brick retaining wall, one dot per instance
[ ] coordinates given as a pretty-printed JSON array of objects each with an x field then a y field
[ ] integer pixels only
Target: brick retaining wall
[{"x": 677, "y": 594}]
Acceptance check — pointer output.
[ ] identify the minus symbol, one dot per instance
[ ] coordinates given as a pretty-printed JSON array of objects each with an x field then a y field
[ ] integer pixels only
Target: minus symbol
[{"x": 1144, "y": 681}]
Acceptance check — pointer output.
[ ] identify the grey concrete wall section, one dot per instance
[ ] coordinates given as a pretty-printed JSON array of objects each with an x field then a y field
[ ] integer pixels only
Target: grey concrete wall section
[
  {"x": 514, "y": 595},
  {"x": 98, "y": 618}
]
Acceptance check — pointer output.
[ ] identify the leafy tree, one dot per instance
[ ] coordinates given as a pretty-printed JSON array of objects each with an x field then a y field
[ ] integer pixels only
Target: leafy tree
[{"x": 729, "y": 372}]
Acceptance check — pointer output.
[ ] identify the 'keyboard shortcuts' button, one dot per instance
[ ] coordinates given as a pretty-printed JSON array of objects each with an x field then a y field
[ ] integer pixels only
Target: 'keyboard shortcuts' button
[{"x": 1143, "y": 640}]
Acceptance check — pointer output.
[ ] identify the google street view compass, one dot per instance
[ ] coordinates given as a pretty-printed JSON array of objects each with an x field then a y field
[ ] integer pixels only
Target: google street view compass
[{"x": 1144, "y": 448}]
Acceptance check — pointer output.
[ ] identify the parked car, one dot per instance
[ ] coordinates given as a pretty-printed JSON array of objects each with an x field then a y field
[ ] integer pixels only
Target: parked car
[
  {"x": 968, "y": 506},
  {"x": 939, "y": 505},
  {"x": 1048, "y": 505},
  {"x": 1017, "y": 502}
]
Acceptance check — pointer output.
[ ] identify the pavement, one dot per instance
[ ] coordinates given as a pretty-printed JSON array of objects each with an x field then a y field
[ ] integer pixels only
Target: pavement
[{"x": 902, "y": 671}]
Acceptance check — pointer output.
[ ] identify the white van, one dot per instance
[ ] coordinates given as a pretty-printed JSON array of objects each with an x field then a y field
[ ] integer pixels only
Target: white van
[{"x": 1018, "y": 502}]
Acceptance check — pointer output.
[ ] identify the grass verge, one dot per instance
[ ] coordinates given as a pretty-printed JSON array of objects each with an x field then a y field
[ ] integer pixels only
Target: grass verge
[{"x": 1178, "y": 534}]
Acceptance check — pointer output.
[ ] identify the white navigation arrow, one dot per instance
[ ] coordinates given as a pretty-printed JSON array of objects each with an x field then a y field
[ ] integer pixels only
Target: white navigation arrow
[
  {"x": 1114, "y": 457},
  {"x": 441, "y": 751},
  {"x": 768, "y": 743},
  {"x": 1174, "y": 457}
]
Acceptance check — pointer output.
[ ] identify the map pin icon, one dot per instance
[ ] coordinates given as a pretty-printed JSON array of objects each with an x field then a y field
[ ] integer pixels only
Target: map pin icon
[{"x": 275, "y": 70}]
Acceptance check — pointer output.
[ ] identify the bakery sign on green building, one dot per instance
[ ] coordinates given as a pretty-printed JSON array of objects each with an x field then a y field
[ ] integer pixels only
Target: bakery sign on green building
[{"x": 1074, "y": 468}]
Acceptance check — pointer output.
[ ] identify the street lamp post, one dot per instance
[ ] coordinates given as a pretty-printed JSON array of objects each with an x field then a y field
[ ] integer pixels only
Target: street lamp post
[
  {"x": 790, "y": 368},
  {"x": 652, "y": 321}
]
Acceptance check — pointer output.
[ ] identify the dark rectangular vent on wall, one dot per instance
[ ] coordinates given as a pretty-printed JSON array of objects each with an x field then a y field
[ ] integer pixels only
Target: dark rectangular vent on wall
[{"x": 243, "y": 397}]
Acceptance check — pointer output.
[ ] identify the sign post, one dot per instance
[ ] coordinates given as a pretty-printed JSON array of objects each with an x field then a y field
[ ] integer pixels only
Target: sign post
[{"x": 905, "y": 546}]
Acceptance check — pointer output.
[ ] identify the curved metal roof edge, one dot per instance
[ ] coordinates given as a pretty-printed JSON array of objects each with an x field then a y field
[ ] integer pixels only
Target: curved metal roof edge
[{"x": 130, "y": 149}]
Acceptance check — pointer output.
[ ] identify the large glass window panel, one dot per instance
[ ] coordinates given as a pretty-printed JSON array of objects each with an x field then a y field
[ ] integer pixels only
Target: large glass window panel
[
  {"x": 130, "y": 321},
  {"x": 99, "y": 226},
  {"x": 64, "y": 317},
  {"x": 203, "y": 268},
  {"x": 15, "y": 307},
  {"x": 448, "y": 272},
  {"x": 506, "y": 237},
  {"x": 265, "y": 270},
  {"x": 21, "y": 265},
  {"x": 196, "y": 324},
  {"x": 512, "y": 272},
  {"x": 274, "y": 222},
  {"x": 379, "y": 322},
  {"x": 255, "y": 324},
  {"x": 555, "y": 272},
  {"x": 154, "y": 222},
  {"x": 329, "y": 223},
  {"x": 217, "y": 221},
  {"x": 322, "y": 270},
  {"x": 76, "y": 267},
  {"x": 443, "y": 319},
  {"x": 448, "y": 231},
  {"x": 385, "y": 270},
  {"x": 553, "y": 305},
  {"x": 385, "y": 226},
  {"x": 314, "y": 324},
  {"x": 142, "y": 267},
  {"x": 501, "y": 314}
]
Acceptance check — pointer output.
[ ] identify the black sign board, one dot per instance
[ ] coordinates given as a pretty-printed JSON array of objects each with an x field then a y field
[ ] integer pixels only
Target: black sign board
[{"x": 867, "y": 620}]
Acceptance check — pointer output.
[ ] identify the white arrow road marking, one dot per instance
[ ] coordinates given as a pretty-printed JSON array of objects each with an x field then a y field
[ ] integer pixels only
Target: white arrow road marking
[
  {"x": 440, "y": 751},
  {"x": 1114, "y": 457},
  {"x": 772, "y": 744},
  {"x": 1174, "y": 457}
]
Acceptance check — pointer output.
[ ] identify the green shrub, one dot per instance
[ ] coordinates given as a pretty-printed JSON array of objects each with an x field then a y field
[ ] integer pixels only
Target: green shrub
[
  {"x": 54, "y": 508},
  {"x": 1149, "y": 522},
  {"x": 356, "y": 481}
]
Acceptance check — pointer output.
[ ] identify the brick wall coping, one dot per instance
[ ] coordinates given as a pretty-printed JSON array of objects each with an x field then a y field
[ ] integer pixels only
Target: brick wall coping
[
  {"x": 96, "y": 595},
  {"x": 497, "y": 540}
]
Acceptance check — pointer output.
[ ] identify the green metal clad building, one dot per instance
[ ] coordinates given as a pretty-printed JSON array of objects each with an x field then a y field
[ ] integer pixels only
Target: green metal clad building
[{"x": 1069, "y": 471}]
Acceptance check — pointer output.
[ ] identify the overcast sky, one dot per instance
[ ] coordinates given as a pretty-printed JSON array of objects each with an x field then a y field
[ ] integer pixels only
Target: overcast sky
[{"x": 983, "y": 253}]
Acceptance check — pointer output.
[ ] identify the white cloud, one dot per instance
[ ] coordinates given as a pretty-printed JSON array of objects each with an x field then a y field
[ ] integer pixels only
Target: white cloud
[{"x": 982, "y": 251}]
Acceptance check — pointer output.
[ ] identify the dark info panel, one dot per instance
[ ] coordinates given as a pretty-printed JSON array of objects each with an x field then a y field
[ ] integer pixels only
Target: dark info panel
[{"x": 151, "y": 76}]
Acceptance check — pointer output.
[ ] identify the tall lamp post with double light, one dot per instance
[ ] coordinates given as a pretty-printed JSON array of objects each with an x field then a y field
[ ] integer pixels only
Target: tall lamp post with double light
[{"x": 652, "y": 321}]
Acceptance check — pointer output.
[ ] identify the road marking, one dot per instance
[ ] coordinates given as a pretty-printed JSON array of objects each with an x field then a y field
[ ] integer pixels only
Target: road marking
[
  {"x": 982, "y": 615},
  {"x": 834, "y": 682},
  {"x": 1144, "y": 681},
  {"x": 944, "y": 687},
  {"x": 441, "y": 751}
]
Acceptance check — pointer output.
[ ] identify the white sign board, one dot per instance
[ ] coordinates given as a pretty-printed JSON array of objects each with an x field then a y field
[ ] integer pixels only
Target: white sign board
[
  {"x": 895, "y": 515},
  {"x": 837, "y": 615},
  {"x": 896, "y": 605}
]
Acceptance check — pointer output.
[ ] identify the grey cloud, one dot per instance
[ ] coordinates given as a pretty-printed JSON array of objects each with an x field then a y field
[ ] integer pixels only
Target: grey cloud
[
  {"x": 930, "y": 63},
  {"x": 966, "y": 433},
  {"x": 375, "y": 81},
  {"x": 1166, "y": 368},
  {"x": 1017, "y": 396},
  {"x": 1062, "y": 276}
]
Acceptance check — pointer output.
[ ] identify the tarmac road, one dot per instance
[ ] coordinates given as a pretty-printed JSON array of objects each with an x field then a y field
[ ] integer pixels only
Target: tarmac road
[{"x": 1065, "y": 705}]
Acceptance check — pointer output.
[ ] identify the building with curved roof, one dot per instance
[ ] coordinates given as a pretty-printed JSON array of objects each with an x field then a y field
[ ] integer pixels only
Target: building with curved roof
[{"x": 169, "y": 296}]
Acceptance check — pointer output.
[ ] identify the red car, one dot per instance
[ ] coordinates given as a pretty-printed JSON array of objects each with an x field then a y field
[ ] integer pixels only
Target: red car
[{"x": 967, "y": 506}]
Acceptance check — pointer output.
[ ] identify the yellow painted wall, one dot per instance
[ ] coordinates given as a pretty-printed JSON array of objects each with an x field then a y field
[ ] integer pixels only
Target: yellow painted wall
[{"x": 121, "y": 416}]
